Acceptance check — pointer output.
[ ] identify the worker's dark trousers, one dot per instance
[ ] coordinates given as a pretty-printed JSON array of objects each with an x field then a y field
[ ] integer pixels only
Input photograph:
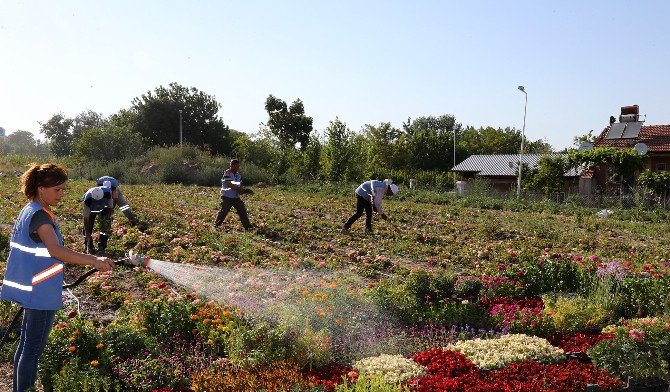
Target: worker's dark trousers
[
  {"x": 361, "y": 204},
  {"x": 238, "y": 204}
]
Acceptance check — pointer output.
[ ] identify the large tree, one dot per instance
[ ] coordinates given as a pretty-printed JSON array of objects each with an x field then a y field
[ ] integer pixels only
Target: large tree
[
  {"x": 58, "y": 131},
  {"x": 62, "y": 132},
  {"x": 489, "y": 140},
  {"x": 429, "y": 142},
  {"x": 289, "y": 124},
  {"x": 155, "y": 116}
]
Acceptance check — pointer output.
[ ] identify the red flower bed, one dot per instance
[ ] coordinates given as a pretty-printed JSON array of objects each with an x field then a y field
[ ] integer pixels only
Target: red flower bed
[
  {"x": 444, "y": 363},
  {"x": 451, "y": 371},
  {"x": 327, "y": 376},
  {"x": 578, "y": 342}
]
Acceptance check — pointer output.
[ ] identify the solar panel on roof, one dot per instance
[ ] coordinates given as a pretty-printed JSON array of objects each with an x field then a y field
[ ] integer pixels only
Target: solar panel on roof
[
  {"x": 616, "y": 130},
  {"x": 632, "y": 130}
]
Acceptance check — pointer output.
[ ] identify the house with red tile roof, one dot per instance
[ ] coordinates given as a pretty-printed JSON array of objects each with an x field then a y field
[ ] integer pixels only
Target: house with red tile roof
[{"x": 629, "y": 133}]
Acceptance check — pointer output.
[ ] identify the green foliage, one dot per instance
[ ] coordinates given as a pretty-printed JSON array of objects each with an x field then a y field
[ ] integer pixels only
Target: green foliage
[
  {"x": 289, "y": 124},
  {"x": 337, "y": 152},
  {"x": 549, "y": 177},
  {"x": 422, "y": 298},
  {"x": 23, "y": 143},
  {"x": 108, "y": 144},
  {"x": 645, "y": 296},
  {"x": 72, "y": 339},
  {"x": 640, "y": 349},
  {"x": 489, "y": 140},
  {"x": 85, "y": 378},
  {"x": 259, "y": 343},
  {"x": 186, "y": 165},
  {"x": 156, "y": 116},
  {"x": 374, "y": 383},
  {"x": 658, "y": 181},
  {"x": 124, "y": 341},
  {"x": 165, "y": 319},
  {"x": 57, "y": 130},
  {"x": 550, "y": 275},
  {"x": 625, "y": 162},
  {"x": 428, "y": 138},
  {"x": 572, "y": 313}
]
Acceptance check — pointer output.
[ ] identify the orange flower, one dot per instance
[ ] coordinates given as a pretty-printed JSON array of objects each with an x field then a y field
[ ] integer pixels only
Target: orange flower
[
  {"x": 95, "y": 363},
  {"x": 206, "y": 321},
  {"x": 72, "y": 349},
  {"x": 99, "y": 346},
  {"x": 194, "y": 317}
]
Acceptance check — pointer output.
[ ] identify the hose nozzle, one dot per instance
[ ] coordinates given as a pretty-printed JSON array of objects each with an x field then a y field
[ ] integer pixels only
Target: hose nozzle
[{"x": 133, "y": 260}]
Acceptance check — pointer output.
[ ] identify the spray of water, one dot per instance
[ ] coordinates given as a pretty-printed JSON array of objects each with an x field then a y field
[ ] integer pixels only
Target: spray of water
[{"x": 310, "y": 302}]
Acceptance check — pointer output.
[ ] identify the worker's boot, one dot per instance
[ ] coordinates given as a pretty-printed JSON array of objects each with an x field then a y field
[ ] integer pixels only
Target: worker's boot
[
  {"x": 102, "y": 244},
  {"x": 88, "y": 245}
]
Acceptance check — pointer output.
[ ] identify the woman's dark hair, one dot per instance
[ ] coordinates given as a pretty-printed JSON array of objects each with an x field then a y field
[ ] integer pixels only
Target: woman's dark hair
[{"x": 47, "y": 175}]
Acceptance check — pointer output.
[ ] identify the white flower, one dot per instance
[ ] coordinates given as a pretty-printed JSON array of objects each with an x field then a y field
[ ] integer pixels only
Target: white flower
[
  {"x": 500, "y": 352},
  {"x": 394, "y": 368}
]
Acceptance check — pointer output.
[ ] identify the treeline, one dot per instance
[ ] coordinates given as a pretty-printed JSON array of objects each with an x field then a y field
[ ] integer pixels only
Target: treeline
[{"x": 286, "y": 149}]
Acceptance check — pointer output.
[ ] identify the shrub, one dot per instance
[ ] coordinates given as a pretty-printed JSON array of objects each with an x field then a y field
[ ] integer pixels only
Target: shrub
[
  {"x": 640, "y": 349},
  {"x": 85, "y": 378},
  {"x": 572, "y": 313},
  {"x": 165, "y": 318},
  {"x": 375, "y": 383},
  {"x": 224, "y": 376},
  {"x": 550, "y": 275},
  {"x": 72, "y": 340}
]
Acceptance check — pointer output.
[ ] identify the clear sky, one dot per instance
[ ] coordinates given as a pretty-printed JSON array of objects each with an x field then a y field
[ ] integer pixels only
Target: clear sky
[{"x": 363, "y": 61}]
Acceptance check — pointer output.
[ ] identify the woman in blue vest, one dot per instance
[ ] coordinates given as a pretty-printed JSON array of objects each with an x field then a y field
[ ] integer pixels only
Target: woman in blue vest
[
  {"x": 369, "y": 197},
  {"x": 34, "y": 275}
]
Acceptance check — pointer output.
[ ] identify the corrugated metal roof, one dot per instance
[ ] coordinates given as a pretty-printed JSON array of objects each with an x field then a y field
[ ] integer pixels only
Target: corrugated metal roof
[{"x": 502, "y": 165}]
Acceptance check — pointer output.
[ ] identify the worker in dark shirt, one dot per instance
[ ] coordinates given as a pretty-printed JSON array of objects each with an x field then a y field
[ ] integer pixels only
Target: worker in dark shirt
[{"x": 98, "y": 202}]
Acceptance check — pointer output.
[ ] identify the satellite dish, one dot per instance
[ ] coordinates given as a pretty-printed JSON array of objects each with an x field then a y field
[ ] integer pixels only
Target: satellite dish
[
  {"x": 641, "y": 148},
  {"x": 585, "y": 146}
]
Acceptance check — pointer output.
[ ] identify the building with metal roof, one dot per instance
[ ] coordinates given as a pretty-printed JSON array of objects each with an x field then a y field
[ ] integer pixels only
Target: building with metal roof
[{"x": 501, "y": 171}]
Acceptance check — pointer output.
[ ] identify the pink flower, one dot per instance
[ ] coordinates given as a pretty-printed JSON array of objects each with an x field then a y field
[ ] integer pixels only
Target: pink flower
[{"x": 636, "y": 335}]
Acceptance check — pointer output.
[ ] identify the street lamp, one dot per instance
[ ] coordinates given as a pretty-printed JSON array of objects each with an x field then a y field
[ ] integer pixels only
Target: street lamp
[
  {"x": 523, "y": 132},
  {"x": 180, "y": 127},
  {"x": 454, "y": 161}
]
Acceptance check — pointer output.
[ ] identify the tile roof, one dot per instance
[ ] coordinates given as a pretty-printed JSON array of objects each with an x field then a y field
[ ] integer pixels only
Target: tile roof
[
  {"x": 499, "y": 165},
  {"x": 656, "y": 137}
]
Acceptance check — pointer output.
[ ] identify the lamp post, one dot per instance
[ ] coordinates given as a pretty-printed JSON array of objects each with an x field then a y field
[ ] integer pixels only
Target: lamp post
[
  {"x": 523, "y": 132},
  {"x": 180, "y": 127},
  {"x": 452, "y": 168}
]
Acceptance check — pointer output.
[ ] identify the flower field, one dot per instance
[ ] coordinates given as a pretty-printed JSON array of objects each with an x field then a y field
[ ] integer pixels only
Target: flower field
[{"x": 445, "y": 296}]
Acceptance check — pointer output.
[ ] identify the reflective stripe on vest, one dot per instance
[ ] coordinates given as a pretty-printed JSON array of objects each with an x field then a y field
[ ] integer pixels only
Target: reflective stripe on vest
[
  {"x": 9, "y": 283},
  {"x": 39, "y": 251},
  {"x": 47, "y": 273},
  {"x": 126, "y": 207}
]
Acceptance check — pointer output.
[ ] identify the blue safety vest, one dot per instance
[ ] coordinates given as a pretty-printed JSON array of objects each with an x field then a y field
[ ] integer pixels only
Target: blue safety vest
[
  {"x": 33, "y": 278},
  {"x": 97, "y": 206}
]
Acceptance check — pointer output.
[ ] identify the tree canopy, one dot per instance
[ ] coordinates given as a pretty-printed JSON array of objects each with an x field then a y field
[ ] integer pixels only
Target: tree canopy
[
  {"x": 289, "y": 124},
  {"x": 155, "y": 116}
]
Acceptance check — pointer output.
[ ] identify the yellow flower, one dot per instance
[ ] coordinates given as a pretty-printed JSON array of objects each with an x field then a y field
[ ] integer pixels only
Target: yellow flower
[{"x": 210, "y": 341}]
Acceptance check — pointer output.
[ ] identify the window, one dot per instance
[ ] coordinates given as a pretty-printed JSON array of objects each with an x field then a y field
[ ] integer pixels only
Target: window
[{"x": 661, "y": 166}]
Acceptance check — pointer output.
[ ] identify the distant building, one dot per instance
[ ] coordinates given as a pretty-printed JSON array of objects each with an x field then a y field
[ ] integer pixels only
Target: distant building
[
  {"x": 501, "y": 171},
  {"x": 629, "y": 133}
]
